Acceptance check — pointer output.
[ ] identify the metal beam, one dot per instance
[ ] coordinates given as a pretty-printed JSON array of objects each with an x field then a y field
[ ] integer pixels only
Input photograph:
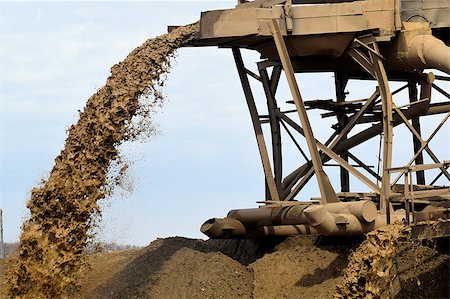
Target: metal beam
[
  {"x": 361, "y": 137},
  {"x": 362, "y": 60},
  {"x": 425, "y": 145},
  {"x": 443, "y": 92},
  {"x": 420, "y": 175},
  {"x": 340, "y": 84},
  {"x": 275, "y": 78},
  {"x": 305, "y": 175},
  {"x": 361, "y": 164},
  {"x": 256, "y": 125},
  {"x": 333, "y": 156},
  {"x": 386, "y": 103},
  {"x": 274, "y": 128},
  {"x": 421, "y": 141},
  {"x": 295, "y": 141},
  {"x": 326, "y": 189}
]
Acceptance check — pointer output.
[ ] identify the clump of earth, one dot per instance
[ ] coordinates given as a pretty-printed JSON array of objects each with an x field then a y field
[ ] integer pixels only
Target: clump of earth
[{"x": 51, "y": 256}]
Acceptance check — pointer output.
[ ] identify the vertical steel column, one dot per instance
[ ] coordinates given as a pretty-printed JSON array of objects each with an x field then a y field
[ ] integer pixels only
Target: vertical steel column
[
  {"x": 386, "y": 103},
  {"x": 274, "y": 128},
  {"x": 256, "y": 125},
  {"x": 340, "y": 84},
  {"x": 426, "y": 87},
  {"x": 420, "y": 175},
  {"x": 326, "y": 189}
]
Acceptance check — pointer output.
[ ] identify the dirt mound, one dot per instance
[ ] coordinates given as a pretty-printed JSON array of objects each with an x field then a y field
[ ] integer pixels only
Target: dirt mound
[
  {"x": 422, "y": 271},
  {"x": 168, "y": 268},
  {"x": 296, "y": 267},
  {"x": 299, "y": 269}
]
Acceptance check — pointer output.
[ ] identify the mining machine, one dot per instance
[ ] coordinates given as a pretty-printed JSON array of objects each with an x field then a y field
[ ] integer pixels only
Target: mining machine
[{"x": 389, "y": 42}]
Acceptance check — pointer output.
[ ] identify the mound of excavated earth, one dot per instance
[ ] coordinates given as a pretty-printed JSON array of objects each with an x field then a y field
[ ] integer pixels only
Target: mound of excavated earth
[{"x": 296, "y": 267}]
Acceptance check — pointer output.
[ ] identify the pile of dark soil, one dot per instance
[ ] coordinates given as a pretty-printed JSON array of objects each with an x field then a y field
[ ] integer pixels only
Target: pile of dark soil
[{"x": 296, "y": 267}]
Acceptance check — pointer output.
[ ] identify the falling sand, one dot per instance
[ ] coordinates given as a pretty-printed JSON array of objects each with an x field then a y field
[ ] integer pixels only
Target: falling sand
[
  {"x": 371, "y": 270},
  {"x": 51, "y": 256}
]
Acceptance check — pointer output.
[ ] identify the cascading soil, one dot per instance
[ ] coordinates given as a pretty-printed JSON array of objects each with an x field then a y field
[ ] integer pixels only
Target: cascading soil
[
  {"x": 51, "y": 256},
  {"x": 371, "y": 269}
]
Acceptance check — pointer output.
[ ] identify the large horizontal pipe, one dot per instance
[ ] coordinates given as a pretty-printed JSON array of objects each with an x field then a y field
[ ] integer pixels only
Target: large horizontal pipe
[
  {"x": 270, "y": 216},
  {"x": 369, "y": 133},
  {"x": 330, "y": 224},
  {"x": 281, "y": 230},
  {"x": 426, "y": 51},
  {"x": 321, "y": 219},
  {"x": 289, "y": 220},
  {"x": 220, "y": 229},
  {"x": 223, "y": 228},
  {"x": 365, "y": 210},
  {"x": 321, "y": 222}
]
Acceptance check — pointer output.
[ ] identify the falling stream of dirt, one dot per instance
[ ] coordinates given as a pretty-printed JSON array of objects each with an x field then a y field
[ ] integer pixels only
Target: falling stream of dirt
[
  {"x": 371, "y": 271},
  {"x": 51, "y": 256}
]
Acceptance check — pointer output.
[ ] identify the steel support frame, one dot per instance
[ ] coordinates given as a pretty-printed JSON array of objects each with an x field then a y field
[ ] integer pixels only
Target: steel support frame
[
  {"x": 386, "y": 103},
  {"x": 269, "y": 86},
  {"x": 366, "y": 53},
  {"x": 340, "y": 83},
  {"x": 373, "y": 64},
  {"x": 326, "y": 189},
  {"x": 264, "y": 155}
]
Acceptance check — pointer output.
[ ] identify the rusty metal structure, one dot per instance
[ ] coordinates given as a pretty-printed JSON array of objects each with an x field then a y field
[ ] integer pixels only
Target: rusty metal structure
[{"x": 378, "y": 40}]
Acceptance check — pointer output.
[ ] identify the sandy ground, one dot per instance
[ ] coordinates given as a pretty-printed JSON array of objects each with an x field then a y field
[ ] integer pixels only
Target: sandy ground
[{"x": 298, "y": 267}]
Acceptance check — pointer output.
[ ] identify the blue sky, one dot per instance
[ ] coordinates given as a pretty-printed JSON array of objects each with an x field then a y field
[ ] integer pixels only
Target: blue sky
[{"x": 204, "y": 160}]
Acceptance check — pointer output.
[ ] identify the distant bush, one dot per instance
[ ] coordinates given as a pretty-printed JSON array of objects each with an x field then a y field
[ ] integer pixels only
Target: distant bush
[
  {"x": 92, "y": 248},
  {"x": 108, "y": 247}
]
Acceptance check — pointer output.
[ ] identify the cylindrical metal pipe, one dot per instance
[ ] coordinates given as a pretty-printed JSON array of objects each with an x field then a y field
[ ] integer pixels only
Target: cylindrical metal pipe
[
  {"x": 350, "y": 225},
  {"x": 425, "y": 51},
  {"x": 345, "y": 224},
  {"x": 223, "y": 228},
  {"x": 364, "y": 210},
  {"x": 281, "y": 230},
  {"x": 289, "y": 215},
  {"x": 320, "y": 219},
  {"x": 255, "y": 216}
]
